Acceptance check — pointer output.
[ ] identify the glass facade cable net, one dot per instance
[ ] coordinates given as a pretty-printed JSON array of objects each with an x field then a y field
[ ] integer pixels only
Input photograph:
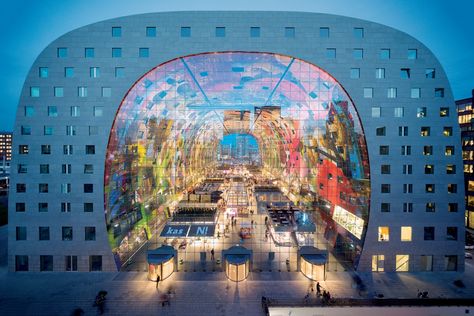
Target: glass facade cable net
[{"x": 257, "y": 149}]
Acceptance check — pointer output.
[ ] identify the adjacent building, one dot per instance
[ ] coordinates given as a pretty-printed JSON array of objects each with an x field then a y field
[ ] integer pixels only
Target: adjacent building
[{"x": 116, "y": 117}]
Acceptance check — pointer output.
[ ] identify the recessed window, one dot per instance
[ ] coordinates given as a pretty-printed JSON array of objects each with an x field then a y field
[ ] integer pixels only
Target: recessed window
[
  {"x": 29, "y": 111},
  {"x": 403, "y": 131},
  {"x": 20, "y": 233},
  {"x": 43, "y": 72},
  {"x": 254, "y": 31},
  {"x": 355, "y": 73},
  {"x": 407, "y": 169},
  {"x": 58, "y": 92},
  {"x": 89, "y": 52},
  {"x": 452, "y": 188},
  {"x": 22, "y": 168},
  {"x": 119, "y": 72},
  {"x": 88, "y": 207},
  {"x": 430, "y": 73},
  {"x": 407, "y": 188},
  {"x": 385, "y": 188},
  {"x": 402, "y": 263},
  {"x": 324, "y": 32},
  {"x": 415, "y": 93},
  {"x": 368, "y": 93},
  {"x": 71, "y": 130},
  {"x": 95, "y": 263},
  {"x": 70, "y": 263},
  {"x": 421, "y": 112},
  {"x": 439, "y": 92},
  {"x": 144, "y": 52},
  {"x": 65, "y": 188},
  {"x": 90, "y": 149},
  {"x": 380, "y": 131},
  {"x": 42, "y": 207},
  {"x": 443, "y": 112},
  {"x": 69, "y": 72},
  {"x": 378, "y": 262},
  {"x": 385, "y": 53},
  {"x": 82, "y": 92},
  {"x": 405, "y": 233},
  {"x": 66, "y": 168},
  {"x": 46, "y": 263},
  {"x": 450, "y": 169},
  {"x": 427, "y": 150},
  {"x": 150, "y": 31},
  {"x": 20, "y": 188},
  {"x": 451, "y": 233},
  {"x": 405, "y": 150},
  {"x": 447, "y": 131},
  {"x": 66, "y": 233},
  {"x": 398, "y": 112},
  {"x": 94, "y": 72},
  {"x": 75, "y": 111},
  {"x": 62, "y": 52},
  {"x": 384, "y": 150},
  {"x": 46, "y": 149},
  {"x": 429, "y": 188},
  {"x": 358, "y": 53},
  {"x": 34, "y": 92},
  {"x": 290, "y": 32},
  {"x": 452, "y": 207},
  {"x": 89, "y": 233},
  {"x": 185, "y": 31},
  {"x": 449, "y": 151},
  {"x": 384, "y": 233},
  {"x": 385, "y": 169},
  {"x": 429, "y": 169},
  {"x": 407, "y": 207},
  {"x": 88, "y": 169},
  {"x": 98, "y": 111},
  {"x": 43, "y": 233},
  {"x": 405, "y": 73},
  {"x": 425, "y": 131},
  {"x": 21, "y": 263},
  {"x": 358, "y": 32},
  {"x": 67, "y": 149},
  {"x": 451, "y": 262},
  {"x": 52, "y": 111},
  {"x": 48, "y": 130},
  {"x": 106, "y": 92},
  {"x": 116, "y": 31},
  {"x": 412, "y": 54},
  {"x": 331, "y": 53},
  {"x": 391, "y": 93},
  {"x": 379, "y": 73},
  {"x": 44, "y": 168},
  {"x": 20, "y": 207},
  {"x": 43, "y": 188},
  {"x": 385, "y": 207},
  {"x": 65, "y": 207},
  {"x": 88, "y": 188},
  {"x": 220, "y": 31},
  {"x": 116, "y": 52},
  {"x": 376, "y": 111}
]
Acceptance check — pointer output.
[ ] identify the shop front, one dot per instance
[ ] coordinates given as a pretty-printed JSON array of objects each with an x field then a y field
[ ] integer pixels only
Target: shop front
[
  {"x": 237, "y": 261},
  {"x": 312, "y": 263},
  {"x": 161, "y": 262}
]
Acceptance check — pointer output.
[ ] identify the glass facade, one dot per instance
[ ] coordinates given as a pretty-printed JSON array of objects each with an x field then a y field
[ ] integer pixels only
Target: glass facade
[{"x": 167, "y": 143}]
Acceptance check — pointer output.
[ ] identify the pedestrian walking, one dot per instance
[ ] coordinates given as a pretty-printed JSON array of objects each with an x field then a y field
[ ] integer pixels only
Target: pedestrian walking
[
  {"x": 212, "y": 254},
  {"x": 318, "y": 289},
  {"x": 158, "y": 278}
]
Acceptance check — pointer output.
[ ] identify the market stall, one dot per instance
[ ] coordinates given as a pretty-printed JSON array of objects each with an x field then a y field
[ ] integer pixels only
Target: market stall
[
  {"x": 237, "y": 261},
  {"x": 161, "y": 262}
]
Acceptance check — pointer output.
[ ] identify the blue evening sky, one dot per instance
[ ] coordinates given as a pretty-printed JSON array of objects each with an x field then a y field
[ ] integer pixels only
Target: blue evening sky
[{"x": 28, "y": 26}]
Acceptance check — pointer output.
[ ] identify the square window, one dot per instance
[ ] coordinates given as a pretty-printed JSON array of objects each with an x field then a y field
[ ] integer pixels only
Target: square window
[
  {"x": 65, "y": 207},
  {"x": 451, "y": 233},
  {"x": 62, "y": 52},
  {"x": 70, "y": 263},
  {"x": 358, "y": 53},
  {"x": 429, "y": 169},
  {"x": 119, "y": 72},
  {"x": 324, "y": 32},
  {"x": 44, "y": 168},
  {"x": 403, "y": 131},
  {"x": 450, "y": 169},
  {"x": 116, "y": 52},
  {"x": 407, "y": 169},
  {"x": 116, "y": 31},
  {"x": 75, "y": 111},
  {"x": 106, "y": 92},
  {"x": 429, "y": 188},
  {"x": 429, "y": 233},
  {"x": 90, "y": 150},
  {"x": 48, "y": 130},
  {"x": 254, "y": 31},
  {"x": 385, "y": 188},
  {"x": 68, "y": 72},
  {"x": 384, "y": 233},
  {"x": 34, "y": 92},
  {"x": 358, "y": 32},
  {"x": 66, "y": 168},
  {"x": 88, "y": 169},
  {"x": 82, "y": 92},
  {"x": 21, "y": 263},
  {"x": 391, "y": 93},
  {"x": 143, "y": 52},
  {"x": 384, "y": 150},
  {"x": 447, "y": 131},
  {"x": 89, "y": 52},
  {"x": 67, "y": 149},
  {"x": 405, "y": 73},
  {"x": 385, "y": 207},
  {"x": 405, "y": 150},
  {"x": 22, "y": 168},
  {"x": 42, "y": 207},
  {"x": 150, "y": 31},
  {"x": 376, "y": 111},
  {"x": 220, "y": 31},
  {"x": 70, "y": 130},
  {"x": 20, "y": 233},
  {"x": 380, "y": 131},
  {"x": 65, "y": 188},
  {"x": 46, "y": 263},
  {"x": 368, "y": 93},
  {"x": 331, "y": 53},
  {"x": 355, "y": 73},
  {"x": 385, "y": 53},
  {"x": 407, "y": 188},
  {"x": 412, "y": 54},
  {"x": 385, "y": 169},
  {"x": 407, "y": 207},
  {"x": 452, "y": 207},
  {"x": 95, "y": 263},
  {"x": 452, "y": 188},
  {"x": 89, "y": 233},
  {"x": 443, "y": 112},
  {"x": 43, "y": 233},
  {"x": 185, "y": 31},
  {"x": 94, "y": 72},
  {"x": 45, "y": 149},
  {"x": 52, "y": 111},
  {"x": 43, "y": 72},
  {"x": 67, "y": 233},
  {"x": 29, "y": 111},
  {"x": 415, "y": 93},
  {"x": 421, "y": 112},
  {"x": 425, "y": 131},
  {"x": 59, "y": 92},
  {"x": 402, "y": 263},
  {"x": 398, "y": 112},
  {"x": 439, "y": 92},
  {"x": 290, "y": 32},
  {"x": 427, "y": 150},
  {"x": 449, "y": 151},
  {"x": 98, "y": 111},
  {"x": 20, "y": 188},
  {"x": 88, "y": 207},
  {"x": 43, "y": 188},
  {"x": 380, "y": 73},
  {"x": 88, "y": 188},
  {"x": 405, "y": 233},
  {"x": 430, "y": 73}
]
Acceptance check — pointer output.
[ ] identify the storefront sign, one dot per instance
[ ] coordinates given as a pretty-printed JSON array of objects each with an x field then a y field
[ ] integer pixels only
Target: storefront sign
[
  {"x": 175, "y": 231},
  {"x": 201, "y": 231}
]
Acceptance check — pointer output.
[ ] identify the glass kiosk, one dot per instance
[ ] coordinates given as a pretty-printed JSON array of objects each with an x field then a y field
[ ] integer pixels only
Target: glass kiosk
[
  {"x": 312, "y": 263},
  {"x": 161, "y": 262},
  {"x": 237, "y": 263}
]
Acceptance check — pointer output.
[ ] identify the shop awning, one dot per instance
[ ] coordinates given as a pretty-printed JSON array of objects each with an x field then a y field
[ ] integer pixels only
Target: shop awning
[
  {"x": 158, "y": 259},
  {"x": 316, "y": 259}
]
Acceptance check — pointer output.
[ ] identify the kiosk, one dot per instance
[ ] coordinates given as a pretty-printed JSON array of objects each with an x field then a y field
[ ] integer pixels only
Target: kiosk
[
  {"x": 312, "y": 262},
  {"x": 161, "y": 262},
  {"x": 237, "y": 262}
]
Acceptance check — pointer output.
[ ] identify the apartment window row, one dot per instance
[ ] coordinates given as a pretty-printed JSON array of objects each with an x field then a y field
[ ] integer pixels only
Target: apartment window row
[
  {"x": 52, "y": 111},
  {"x": 402, "y": 262},
  {"x": 65, "y": 207},
  {"x": 405, "y": 73},
  {"x": 451, "y": 233},
  {"x": 71, "y": 130},
  {"x": 94, "y": 72},
  {"x": 66, "y": 233},
  {"x": 47, "y": 149},
  {"x": 82, "y": 92},
  {"x": 65, "y": 187},
  {"x": 429, "y": 187},
  {"x": 424, "y": 131},
  {"x": 65, "y": 169},
  {"x": 391, "y": 93},
  {"x": 407, "y": 207},
  {"x": 405, "y": 150},
  {"x": 377, "y": 111},
  {"x": 46, "y": 263}
]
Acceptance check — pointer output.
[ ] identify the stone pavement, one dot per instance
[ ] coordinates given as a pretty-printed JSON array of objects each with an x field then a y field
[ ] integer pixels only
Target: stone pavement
[{"x": 200, "y": 293}]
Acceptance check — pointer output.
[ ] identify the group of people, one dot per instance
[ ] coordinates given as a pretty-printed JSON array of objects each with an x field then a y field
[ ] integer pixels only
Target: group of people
[{"x": 324, "y": 295}]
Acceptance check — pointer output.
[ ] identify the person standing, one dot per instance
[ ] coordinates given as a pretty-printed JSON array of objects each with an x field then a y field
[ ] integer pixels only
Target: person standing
[
  {"x": 212, "y": 254},
  {"x": 158, "y": 278},
  {"x": 318, "y": 289}
]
